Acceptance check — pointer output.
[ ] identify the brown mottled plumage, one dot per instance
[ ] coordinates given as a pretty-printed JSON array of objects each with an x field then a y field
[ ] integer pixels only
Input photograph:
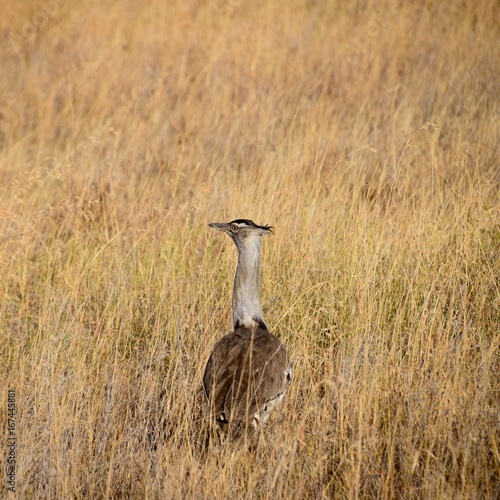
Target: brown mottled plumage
[{"x": 248, "y": 370}]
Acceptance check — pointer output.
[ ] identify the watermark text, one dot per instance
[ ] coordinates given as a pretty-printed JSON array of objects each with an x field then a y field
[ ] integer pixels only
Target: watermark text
[{"x": 10, "y": 468}]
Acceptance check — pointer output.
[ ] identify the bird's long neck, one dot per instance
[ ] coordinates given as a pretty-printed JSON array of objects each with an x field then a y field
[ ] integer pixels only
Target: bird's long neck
[{"x": 247, "y": 310}]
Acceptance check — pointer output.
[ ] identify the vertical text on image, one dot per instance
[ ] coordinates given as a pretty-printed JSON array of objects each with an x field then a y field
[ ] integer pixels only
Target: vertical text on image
[{"x": 11, "y": 440}]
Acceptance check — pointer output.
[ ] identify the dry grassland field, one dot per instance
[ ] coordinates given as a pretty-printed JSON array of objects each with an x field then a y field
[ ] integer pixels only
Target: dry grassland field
[{"x": 367, "y": 133}]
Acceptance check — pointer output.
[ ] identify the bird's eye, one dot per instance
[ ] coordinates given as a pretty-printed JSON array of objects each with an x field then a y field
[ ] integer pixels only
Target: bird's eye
[{"x": 234, "y": 228}]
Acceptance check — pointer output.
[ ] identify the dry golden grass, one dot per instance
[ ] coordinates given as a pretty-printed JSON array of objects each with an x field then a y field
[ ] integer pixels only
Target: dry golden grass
[{"x": 367, "y": 133}]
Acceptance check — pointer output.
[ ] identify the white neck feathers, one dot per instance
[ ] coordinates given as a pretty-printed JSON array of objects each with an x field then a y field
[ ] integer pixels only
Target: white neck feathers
[{"x": 247, "y": 310}]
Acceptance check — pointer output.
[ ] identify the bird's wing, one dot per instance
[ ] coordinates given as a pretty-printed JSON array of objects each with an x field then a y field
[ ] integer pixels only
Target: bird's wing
[{"x": 248, "y": 369}]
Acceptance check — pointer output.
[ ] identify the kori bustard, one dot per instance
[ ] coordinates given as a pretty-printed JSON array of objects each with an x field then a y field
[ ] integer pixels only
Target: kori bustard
[{"x": 249, "y": 369}]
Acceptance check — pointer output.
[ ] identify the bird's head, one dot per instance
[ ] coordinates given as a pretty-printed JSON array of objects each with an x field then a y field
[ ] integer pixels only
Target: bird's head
[{"x": 242, "y": 230}]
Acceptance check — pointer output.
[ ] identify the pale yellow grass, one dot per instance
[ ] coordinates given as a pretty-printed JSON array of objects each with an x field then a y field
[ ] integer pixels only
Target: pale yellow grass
[{"x": 366, "y": 133}]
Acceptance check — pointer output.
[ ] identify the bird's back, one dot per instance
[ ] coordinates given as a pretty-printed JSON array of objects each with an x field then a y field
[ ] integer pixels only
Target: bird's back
[{"x": 246, "y": 376}]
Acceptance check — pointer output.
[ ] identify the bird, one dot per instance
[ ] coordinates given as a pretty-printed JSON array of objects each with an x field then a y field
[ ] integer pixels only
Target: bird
[{"x": 249, "y": 369}]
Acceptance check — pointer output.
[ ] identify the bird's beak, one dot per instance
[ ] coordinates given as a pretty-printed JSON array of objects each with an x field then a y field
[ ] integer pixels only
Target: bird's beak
[{"x": 221, "y": 226}]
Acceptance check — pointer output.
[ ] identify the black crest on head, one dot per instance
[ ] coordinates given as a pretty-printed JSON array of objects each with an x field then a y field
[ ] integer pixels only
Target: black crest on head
[{"x": 251, "y": 223}]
